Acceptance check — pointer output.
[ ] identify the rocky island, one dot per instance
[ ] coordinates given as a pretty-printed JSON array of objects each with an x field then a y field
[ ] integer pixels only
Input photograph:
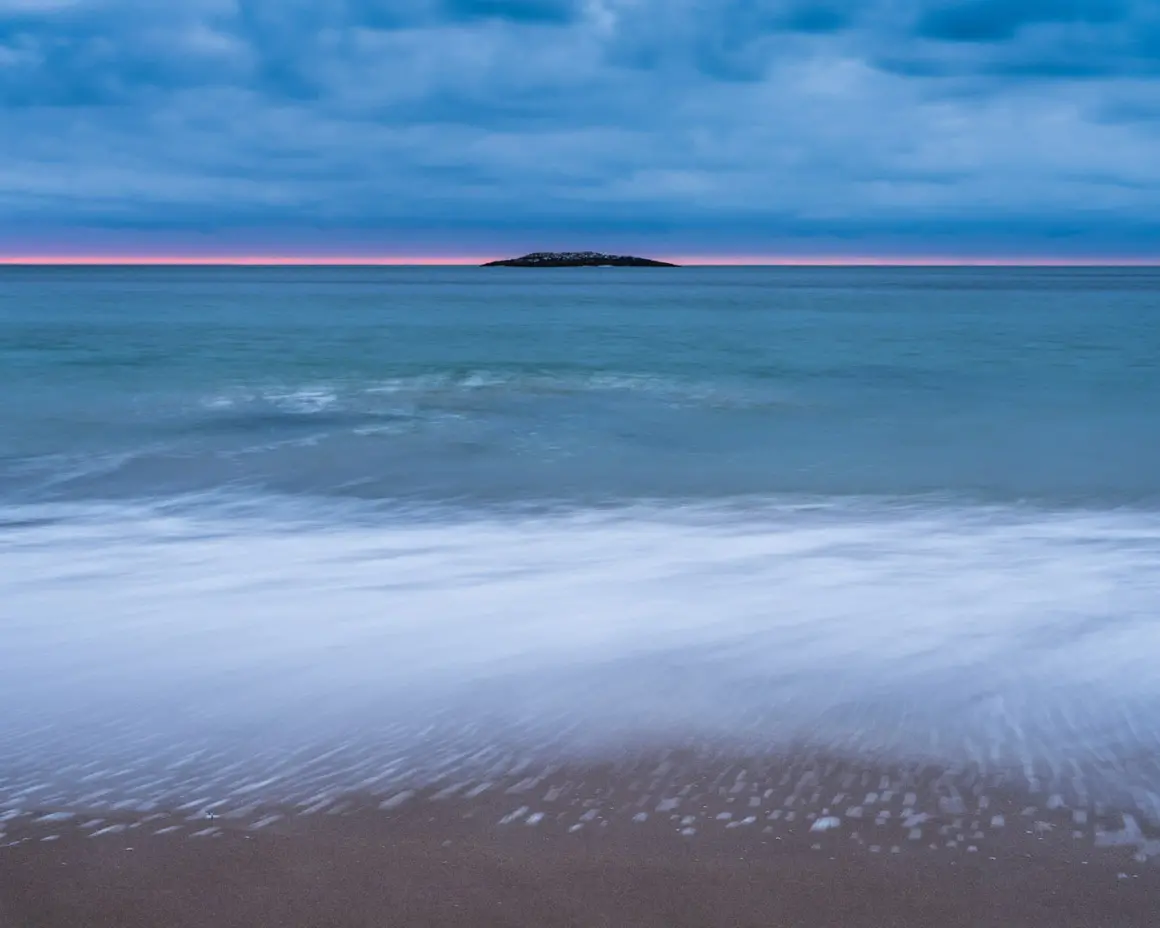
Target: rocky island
[{"x": 577, "y": 259}]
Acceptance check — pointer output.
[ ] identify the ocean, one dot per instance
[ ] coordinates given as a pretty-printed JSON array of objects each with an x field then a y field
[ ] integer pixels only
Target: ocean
[{"x": 270, "y": 531}]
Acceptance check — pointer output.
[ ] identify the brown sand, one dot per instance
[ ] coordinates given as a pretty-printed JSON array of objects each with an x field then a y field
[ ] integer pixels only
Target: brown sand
[{"x": 609, "y": 850}]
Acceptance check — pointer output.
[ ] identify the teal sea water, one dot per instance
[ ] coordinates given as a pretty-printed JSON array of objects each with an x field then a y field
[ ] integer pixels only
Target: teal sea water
[
  {"x": 469, "y": 387},
  {"x": 252, "y": 516}
]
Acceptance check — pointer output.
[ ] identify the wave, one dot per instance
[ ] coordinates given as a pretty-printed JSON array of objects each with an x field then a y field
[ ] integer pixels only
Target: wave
[
  {"x": 1002, "y": 636},
  {"x": 315, "y": 398}
]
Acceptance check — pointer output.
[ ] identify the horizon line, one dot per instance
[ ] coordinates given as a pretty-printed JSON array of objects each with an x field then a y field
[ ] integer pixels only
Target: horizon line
[{"x": 132, "y": 260}]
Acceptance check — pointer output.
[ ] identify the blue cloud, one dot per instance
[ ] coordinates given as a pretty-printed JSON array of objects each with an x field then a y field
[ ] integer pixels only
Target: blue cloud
[
  {"x": 404, "y": 14},
  {"x": 1036, "y": 39},
  {"x": 538, "y": 11},
  {"x": 672, "y": 117},
  {"x": 1001, "y": 20}
]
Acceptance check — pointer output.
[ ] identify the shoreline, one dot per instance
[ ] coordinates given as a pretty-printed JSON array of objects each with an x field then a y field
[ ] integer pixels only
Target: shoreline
[{"x": 664, "y": 840}]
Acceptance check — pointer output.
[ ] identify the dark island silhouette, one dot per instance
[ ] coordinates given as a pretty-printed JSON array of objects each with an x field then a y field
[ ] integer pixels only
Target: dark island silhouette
[{"x": 577, "y": 259}]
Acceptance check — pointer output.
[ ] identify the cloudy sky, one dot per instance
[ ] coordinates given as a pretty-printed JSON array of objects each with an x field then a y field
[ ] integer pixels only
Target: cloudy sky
[{"x": 715, "y": 128}]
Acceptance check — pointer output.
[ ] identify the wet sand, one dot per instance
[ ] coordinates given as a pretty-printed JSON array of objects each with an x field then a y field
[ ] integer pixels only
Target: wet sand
[{"x": 660, "y": 841}]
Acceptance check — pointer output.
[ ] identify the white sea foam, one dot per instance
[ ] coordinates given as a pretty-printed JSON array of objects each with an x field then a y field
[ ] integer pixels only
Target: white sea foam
[
  {"x": 917, "y": 629},
  {"x": 305, "y": 399},
  {"x": 439, "y": 387}
]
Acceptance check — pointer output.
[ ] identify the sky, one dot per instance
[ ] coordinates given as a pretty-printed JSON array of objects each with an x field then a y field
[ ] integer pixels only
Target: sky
[{"x": 716, "y": 130}]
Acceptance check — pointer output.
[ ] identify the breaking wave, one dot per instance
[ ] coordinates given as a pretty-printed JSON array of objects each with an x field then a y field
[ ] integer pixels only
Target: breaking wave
[{"x": 1001, "y": 636}]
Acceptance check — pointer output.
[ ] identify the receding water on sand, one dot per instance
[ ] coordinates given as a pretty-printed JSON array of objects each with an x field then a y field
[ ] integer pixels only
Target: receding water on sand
[{"x": 160, "y": 646}]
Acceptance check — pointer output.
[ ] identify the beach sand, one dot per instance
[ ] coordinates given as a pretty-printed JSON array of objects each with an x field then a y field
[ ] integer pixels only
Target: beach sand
[{"x": 664, "y": 840}]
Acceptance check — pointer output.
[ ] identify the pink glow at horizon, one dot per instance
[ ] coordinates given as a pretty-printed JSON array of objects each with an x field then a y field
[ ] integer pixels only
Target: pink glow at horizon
[
  {"x": 237, "y": 260},
  {"x": 908, "y": 261},
  {"x": 64, "y": 260}
]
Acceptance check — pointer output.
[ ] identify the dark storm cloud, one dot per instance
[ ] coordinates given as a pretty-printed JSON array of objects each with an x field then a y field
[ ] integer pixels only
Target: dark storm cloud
[
  {"x": 1001, "y": 20},
  {"x": 727, "y": 40},
  {"x": 775, "y": 117},
  {"x": 1047, "y": 39}
]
